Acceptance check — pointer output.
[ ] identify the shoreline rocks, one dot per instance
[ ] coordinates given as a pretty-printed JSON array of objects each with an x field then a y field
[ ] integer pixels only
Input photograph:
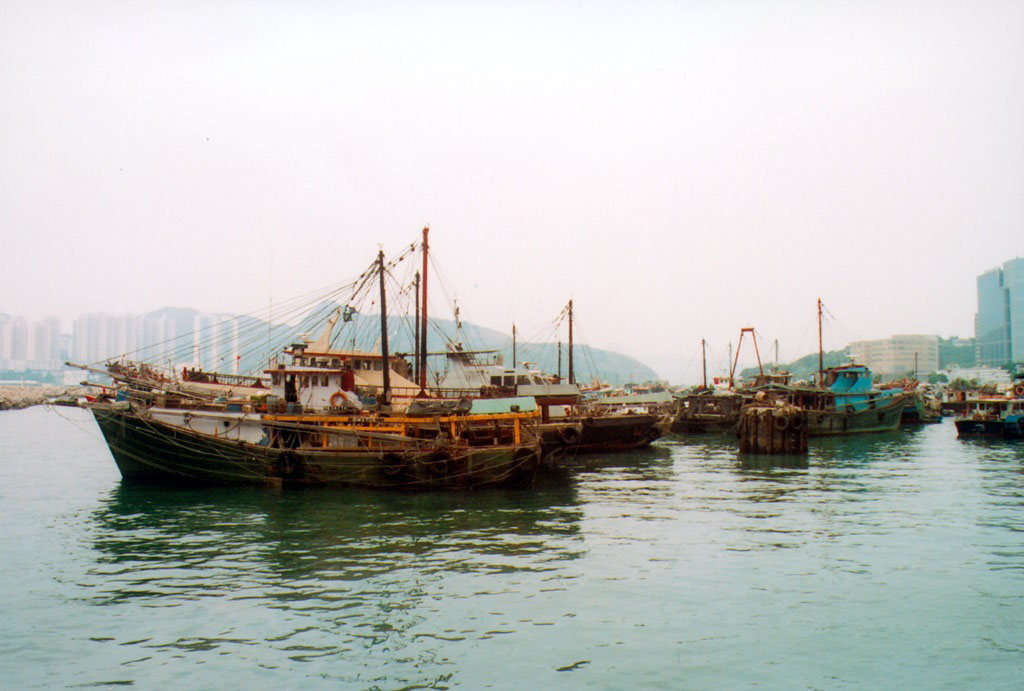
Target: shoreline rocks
[{"x": 18, "y": 397}]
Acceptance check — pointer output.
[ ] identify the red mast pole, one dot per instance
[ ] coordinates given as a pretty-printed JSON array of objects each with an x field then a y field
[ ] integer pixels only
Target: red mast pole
[{"x": 423, "y": 327}]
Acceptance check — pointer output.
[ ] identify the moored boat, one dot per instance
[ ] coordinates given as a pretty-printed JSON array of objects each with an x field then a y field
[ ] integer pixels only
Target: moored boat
[
  {"x": 320, "y": 424},
  {"x": 218, "y": 447},
  {"x": 848, "y": 403},
  {"x": 997, "y": 417}
]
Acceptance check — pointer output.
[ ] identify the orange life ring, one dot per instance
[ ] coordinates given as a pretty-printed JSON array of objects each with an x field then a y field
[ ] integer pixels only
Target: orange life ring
[
  {"x": 1019, "y": 390},
  {"x": 337, "y": 399}
]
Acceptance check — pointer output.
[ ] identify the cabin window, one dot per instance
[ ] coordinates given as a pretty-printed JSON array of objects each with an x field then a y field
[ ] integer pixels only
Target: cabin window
[
  {"x": 496, "y": 380},
  {"x": 323, "y": 380},
  {"x": 304, "y": 381},
  {"x": 510, "y": 380},
  {"x": 357, "y": 364},
  {"x": 276, "y": 378},
  {"x": 335, "y": 362},
  {"x": 377, "y": 366},
  {"x": 521, "y": 379}
]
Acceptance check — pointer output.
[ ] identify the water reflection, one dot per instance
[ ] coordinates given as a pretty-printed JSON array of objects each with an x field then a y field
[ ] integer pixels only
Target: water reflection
[
  {"x": 347, "y": 535},
  {"x": 858, "y": 449},
  {"x": 346, "y": 570}
]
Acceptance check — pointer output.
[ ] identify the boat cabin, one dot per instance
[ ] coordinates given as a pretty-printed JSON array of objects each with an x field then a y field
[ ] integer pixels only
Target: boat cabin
[{"x": 336, "y": 378}]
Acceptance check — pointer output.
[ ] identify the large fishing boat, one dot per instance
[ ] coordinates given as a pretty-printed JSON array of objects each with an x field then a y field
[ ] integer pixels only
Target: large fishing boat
[
  {"x": 201, "y": 445},
  {"x": 329, "y": 418}
]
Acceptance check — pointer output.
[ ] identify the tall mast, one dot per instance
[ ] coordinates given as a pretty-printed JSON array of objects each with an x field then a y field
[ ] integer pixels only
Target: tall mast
[
  {"x": 386, "y": 396},
  {"x": 572, "y": 375},
  {"x": 821, "y": 352},
  {"x": 513, "y": 346},
  {"x": 423, "y": 327},
  {"x": 730, "y": 360},
  {"x": 416, "y": 335},
  {"x": 704, "y": 360},
  {"x": 559, "y": 361}
]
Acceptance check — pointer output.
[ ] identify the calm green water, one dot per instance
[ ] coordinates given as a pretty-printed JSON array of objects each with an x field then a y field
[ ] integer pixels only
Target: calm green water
[{"x": 890, "y": 561}]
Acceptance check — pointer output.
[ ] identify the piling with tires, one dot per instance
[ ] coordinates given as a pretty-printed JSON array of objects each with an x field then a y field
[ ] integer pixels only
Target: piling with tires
[{"x": 773, "y": 429}]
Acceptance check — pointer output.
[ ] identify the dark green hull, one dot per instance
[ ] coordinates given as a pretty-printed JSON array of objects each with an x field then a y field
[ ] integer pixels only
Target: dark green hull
[
  {"x": 826, "y": 423},
  {"x": 153, "y": 452},
  {"x": 602, "y": 433}
]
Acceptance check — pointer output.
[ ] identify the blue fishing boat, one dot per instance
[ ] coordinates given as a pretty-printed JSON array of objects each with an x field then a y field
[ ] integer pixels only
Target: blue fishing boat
[
  {"x": 846, "y": 401},
  {"x": 849, "y": 403}
]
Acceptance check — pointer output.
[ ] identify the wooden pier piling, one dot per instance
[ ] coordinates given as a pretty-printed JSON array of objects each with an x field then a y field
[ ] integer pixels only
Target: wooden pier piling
[{"x": 767, "y": 428}]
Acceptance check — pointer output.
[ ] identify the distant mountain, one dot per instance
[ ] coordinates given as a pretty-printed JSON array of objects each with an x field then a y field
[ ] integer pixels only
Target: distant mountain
[
  {"x": 807, "y": 366},
  {"x": 257, "y": 342}
]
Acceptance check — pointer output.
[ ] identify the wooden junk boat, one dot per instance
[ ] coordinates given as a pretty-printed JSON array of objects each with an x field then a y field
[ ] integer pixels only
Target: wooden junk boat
[{"x": 313, "y": 429}]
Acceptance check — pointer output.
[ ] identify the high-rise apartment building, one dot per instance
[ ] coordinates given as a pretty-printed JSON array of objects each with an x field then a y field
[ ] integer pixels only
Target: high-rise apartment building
[
  {"x": 208, "y": 341},
  {"x": 898, "y": 356},
  {"x": 999, "y": 321}
]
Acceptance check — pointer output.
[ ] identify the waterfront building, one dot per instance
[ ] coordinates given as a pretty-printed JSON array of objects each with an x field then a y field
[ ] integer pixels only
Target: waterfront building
[
  {"x": 984, "y": 376},
  {"x": 898, "y": 355},
  {"x": 999, "y": 321}
]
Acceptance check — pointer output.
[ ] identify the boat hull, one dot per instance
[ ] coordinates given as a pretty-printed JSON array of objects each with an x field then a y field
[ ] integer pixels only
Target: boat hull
[
  {"x": 829, "y": 423},
  {"x": 150, "y": 451},
  {"x": 598, "y": 434},
  {"x": 1011, "y": 428}
]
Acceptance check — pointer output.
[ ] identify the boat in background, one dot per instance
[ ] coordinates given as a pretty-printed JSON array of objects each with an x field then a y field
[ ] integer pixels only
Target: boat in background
[
  {"x": 712, "y": 411},
  {"x": 996, "y": 417},
  {"x": 845, "y": 399},
  {"x": 848, "y": 403}
]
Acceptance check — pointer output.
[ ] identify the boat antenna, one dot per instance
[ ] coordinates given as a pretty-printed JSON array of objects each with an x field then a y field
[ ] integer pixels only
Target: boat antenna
[
  {"x": 386, "y": 395},
  {"x": 423, "y": 328},
  {"x": 513, "y": 345}
]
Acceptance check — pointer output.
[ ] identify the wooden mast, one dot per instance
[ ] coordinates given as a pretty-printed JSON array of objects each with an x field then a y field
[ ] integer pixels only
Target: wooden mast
[
  {"x": 386, "y": 394},
  {"x": 423, "y": 327},
  {"x": 559, "y": 361},
  {"x": 513, "y": 346},
  {"x": 821, "y": 352},
  {"x": 704, "y": 360},
  {"x": 572, "y": 374},
  {"x": 416, "y": 335}
]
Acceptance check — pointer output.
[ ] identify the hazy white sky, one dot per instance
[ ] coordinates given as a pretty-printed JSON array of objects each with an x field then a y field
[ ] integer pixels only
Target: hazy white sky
[{"x": 680, "y": 169}]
